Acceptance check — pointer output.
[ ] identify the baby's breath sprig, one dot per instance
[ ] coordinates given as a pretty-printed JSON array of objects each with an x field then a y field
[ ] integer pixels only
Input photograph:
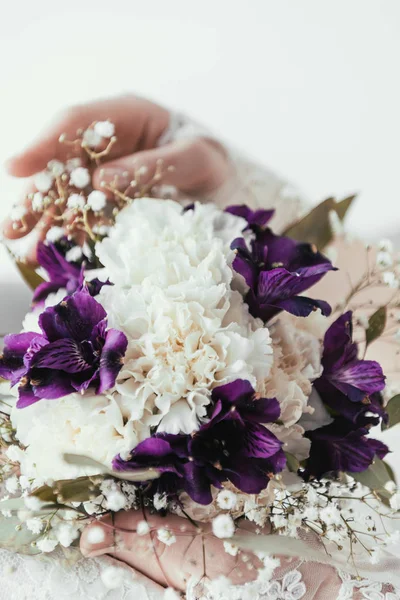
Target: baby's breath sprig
[{"x": 64, "y": 195}]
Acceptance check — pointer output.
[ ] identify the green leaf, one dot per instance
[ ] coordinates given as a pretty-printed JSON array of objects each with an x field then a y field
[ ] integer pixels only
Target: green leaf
[
  {"x": 375, "y": 478},
  {"x": 276, "y": 544},
  {"x": 292, "y": 462},
  {"x": 343, "y": 206},
  {"x": 85, "y": 461},
  {"x": 29, "y": 275},
  {"x": 315, "y": 227},
  {"x": 16, "y": 537},
  {"x": 376, "y": 325},
  {"x": 81, "y": 489},
  {"x": 393, "y": 410},
  {"x": 390, "y": 471}
]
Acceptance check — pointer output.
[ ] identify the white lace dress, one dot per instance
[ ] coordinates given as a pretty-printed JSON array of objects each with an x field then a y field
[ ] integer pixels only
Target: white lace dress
[{"x": 67, "y": 576}]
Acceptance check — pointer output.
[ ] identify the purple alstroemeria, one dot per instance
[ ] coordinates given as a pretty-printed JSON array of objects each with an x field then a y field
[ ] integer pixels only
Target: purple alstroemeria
[
  {"x": 74, "y": 351},
  {"x": 233, "y": 445},
  {"x": 339, "y": 447},
  {"x": 277, "y": 270},
  {"x": 352, "y": 377},
  {"x": 256, "y": 219},
  {"x": 62, "y": 273}
]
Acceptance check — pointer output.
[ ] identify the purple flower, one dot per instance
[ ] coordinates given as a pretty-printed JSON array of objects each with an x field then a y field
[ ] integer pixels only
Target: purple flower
[
  {"x": 339, "y": 447},
  {"x": 348, "y": 375},
  {"x": 256, "y": 219},
  {"x": 234, "y": 445},
  {"x": 62, "y": 273},
  {"x": 277, "y": 269},
  {"x": 74, "y": 351}
]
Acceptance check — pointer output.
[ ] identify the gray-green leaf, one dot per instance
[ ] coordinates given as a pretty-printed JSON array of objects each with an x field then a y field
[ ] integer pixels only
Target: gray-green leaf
[
  {"x": 315, "y": 227},
  {"x": 393, "y": 410},
  {"x": 16, "y": 537},
  {"x": 376, "y": 325},
  {"x": 85, "y": 461},
  {"x": 375, "y": 478}
]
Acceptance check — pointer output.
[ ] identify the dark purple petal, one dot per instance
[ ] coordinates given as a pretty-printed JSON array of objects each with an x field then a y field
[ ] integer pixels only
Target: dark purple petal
[
  {"x": 26, "y": 396},
  {"x": 259, "y": 442},
  {"x": 258, "y": 218},
  {"x": 359, "y": 379},
  {"x": 52, "y": 385},
  {"x": 197, "y": 484},
  {"x": 246, "y": 269},
  {"x": 111, "y": 360},
  {"x": 262, "y": 410},
  {"x": 64, "y": 355},
  {"x": 301, "y": 306},
  {"x": 12, "y": 360},
  {"x": 75, "y": 317},
  {"x": 339, "y": 334},
  {"x": 339, "y": 448},
  {"x": 234, "y": 392}
]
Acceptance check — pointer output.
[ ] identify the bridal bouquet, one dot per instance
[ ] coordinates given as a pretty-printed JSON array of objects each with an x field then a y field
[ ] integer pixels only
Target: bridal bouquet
[{"x": 173, "y": 361}]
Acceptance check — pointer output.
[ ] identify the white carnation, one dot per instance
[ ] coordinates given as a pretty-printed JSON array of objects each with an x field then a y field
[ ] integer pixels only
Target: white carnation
[
  {"x": 71, "y": 424},
  {"x": 188, "y": 331}
]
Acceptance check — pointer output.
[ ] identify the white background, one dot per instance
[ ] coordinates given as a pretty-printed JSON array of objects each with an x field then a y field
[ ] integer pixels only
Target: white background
[{"x": 310, "y": 87}]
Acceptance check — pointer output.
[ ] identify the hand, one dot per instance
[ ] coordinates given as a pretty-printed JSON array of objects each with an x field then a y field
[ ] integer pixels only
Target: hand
[
  {"x": 168, "y": 565},
  {"x": 200, "y": 165}
]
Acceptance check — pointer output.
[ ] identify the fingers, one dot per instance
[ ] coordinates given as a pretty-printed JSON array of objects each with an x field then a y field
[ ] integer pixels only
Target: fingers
[
  {"x": 138, "y": 122},
  {"x": 194, "y": 552},
  {"x": 194, "y": 166},
  {"x": 143, "y": 551}
]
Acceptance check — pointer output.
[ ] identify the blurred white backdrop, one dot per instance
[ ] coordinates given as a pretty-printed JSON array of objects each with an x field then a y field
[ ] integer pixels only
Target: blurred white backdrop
[{"x": 310, "y": 88}]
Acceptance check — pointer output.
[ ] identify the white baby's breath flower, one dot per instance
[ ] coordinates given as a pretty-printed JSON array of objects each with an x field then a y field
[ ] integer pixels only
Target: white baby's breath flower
[
  {"x": 113, "y": 577},
  {"x": 116, "y": 501},
  {"x": 105, "y": 129},
  {"x": 12, "y": 484},
  {"x": 384, "y": 259},
  {"x": 74, "y": 254},
  {"x": 160, "y": 501},
  {"x": 80, "y": 177},
  {"x": 14, "y": 453},
  {"x": 54, "y": 234},
  {"x": 385, "y": 245},
  {"x": 56, "y": 168},
  {"x": 390, "y": 486},
  {"x": 43, "y": 181},
  {"x": 363, "y": 321},
  {"x": 46, "y": 544},
  {"x": 34, "y": 525},
  {"x": 18, "y": 212},
  {"x": 66, "y": 533},
  {"x": 76, "y": 201},
  {"x": 142, "y": 528},
  {"x": 38, "y": 202},
  {"x": 95, "y": 535},
  {"x": 223, "y": 526},
  {"x": 91, "y": 138},
  {"x": 97, "y": 200},
  {"x": 32, "y": 503},
  {"x": 395, "y": 501},
  {"x": 390, "y": 279},
  {"x": 166, "y": 536},
  {"x": 330, "y": 514},
  {"x": 231, "y": 549},
  {"x": 226, "y": 500}
]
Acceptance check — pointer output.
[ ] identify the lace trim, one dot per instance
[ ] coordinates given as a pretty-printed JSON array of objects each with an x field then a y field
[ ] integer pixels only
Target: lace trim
[
  {"x": 364, "y": 589},
  {"x": 289, "y": 587}
]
